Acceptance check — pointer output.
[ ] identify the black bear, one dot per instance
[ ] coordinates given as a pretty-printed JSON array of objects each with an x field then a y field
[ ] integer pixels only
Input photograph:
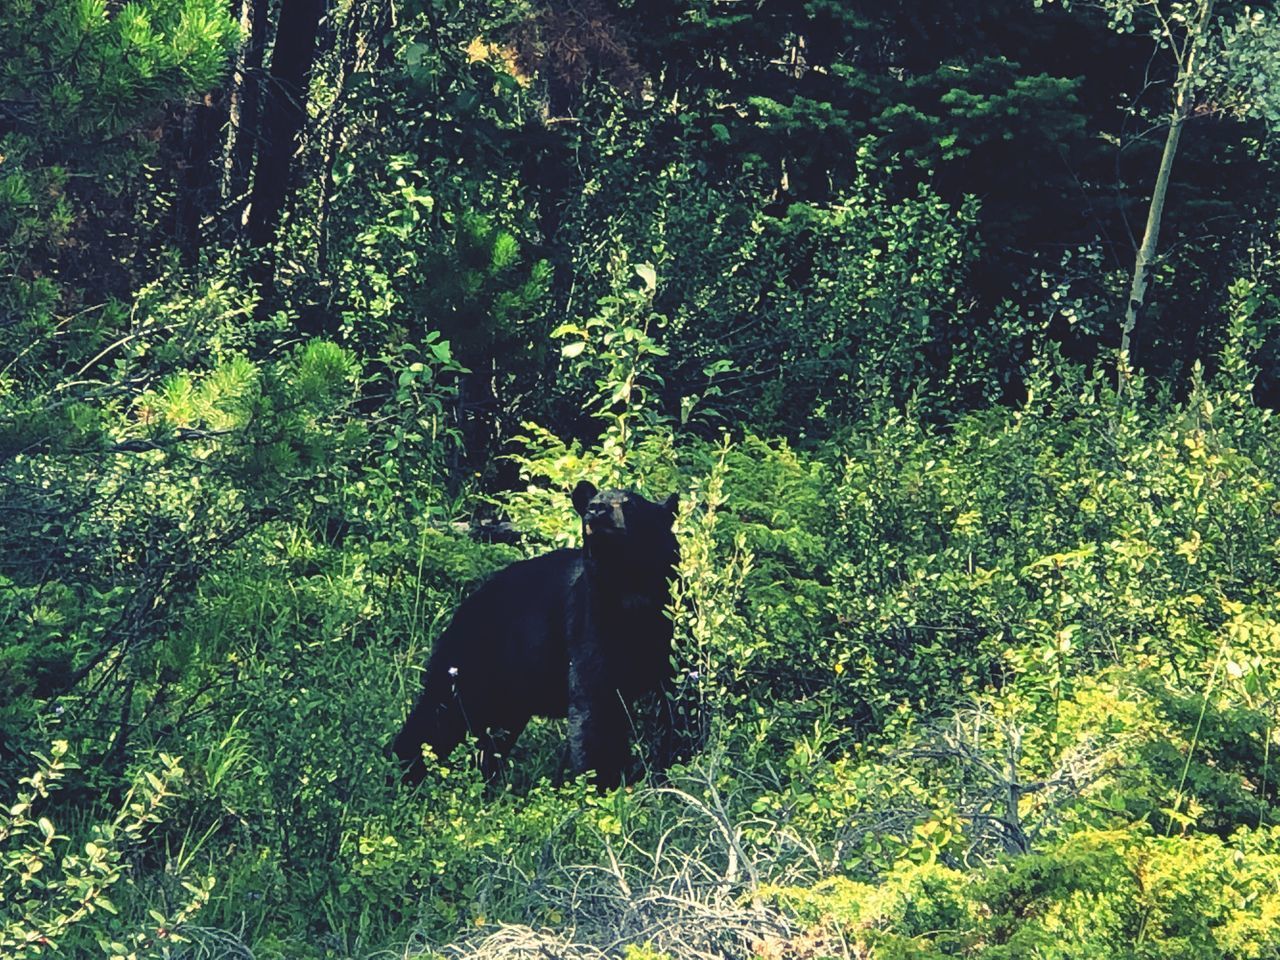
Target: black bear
[{"x": 581, "y": 633}]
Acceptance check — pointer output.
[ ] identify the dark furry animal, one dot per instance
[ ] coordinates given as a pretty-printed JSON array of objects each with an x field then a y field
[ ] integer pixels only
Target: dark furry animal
[{"x": 580, "y": 633}]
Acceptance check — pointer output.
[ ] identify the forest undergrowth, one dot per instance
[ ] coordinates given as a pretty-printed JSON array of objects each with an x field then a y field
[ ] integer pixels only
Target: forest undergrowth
[{"x": 312, "y": 314}]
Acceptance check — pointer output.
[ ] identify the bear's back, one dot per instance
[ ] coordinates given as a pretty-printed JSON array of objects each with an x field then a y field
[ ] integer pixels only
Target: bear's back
[{"x": 506, "y": 645}]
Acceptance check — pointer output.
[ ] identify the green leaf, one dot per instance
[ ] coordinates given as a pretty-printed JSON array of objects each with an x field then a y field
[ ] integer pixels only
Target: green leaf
[{"x": 414, "y": 53}]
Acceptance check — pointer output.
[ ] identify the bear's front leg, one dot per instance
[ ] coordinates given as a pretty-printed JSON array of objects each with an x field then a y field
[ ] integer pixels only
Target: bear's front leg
[{"x": 598, "y": 738}]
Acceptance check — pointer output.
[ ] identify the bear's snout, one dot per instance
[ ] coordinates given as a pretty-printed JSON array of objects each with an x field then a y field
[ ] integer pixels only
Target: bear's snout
[{"x": 605, "y": 518}]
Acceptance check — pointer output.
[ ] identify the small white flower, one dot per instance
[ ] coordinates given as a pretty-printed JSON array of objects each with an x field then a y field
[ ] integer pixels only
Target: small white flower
[{"x": 453, "y": 671}]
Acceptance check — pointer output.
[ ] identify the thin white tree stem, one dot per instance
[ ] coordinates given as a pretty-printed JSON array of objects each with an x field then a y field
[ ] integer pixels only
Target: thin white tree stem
[{"x": 1146, "y": 254}]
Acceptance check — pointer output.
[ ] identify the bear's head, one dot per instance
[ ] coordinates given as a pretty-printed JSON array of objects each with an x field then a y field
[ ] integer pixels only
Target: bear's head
[{"x": 620, "y": 527}]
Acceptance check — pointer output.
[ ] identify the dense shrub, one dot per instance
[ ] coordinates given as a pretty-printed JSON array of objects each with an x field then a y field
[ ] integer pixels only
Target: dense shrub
[{"x": 977, "y": 635}]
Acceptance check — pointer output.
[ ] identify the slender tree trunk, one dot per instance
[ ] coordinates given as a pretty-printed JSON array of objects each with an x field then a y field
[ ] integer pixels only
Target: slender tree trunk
[
  {"x": 246, "y": 88},
  {"x": 285, "y": 113},
  {"x": 1147, "y": 250},
  {"x": 1151, "y": 235}
]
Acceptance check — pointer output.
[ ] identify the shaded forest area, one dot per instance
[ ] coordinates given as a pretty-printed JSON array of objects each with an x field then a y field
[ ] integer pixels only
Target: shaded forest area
[{"x": 954, "y": 327}]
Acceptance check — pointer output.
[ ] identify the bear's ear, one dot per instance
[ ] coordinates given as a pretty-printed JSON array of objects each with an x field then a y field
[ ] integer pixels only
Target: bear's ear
[
  {"x": 672, "y": 504},
  {"x": 582, "y": 495}
]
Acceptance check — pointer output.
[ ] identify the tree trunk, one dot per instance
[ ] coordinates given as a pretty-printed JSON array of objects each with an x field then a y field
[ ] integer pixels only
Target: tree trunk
[
  {"x": 285, "y": 113},
  {"x": 246, "y": 89},
  {"x": 1147, "y": 250},
  {"x": 1150, "y": 236}
]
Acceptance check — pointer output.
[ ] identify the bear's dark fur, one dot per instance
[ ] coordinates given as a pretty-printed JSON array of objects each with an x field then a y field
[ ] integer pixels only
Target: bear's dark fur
[{"x": 580, "y": 633}]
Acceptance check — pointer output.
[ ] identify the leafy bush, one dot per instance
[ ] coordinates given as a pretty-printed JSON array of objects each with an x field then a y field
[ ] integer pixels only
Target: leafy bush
[
  {"x": 56, "y": 900},
  {"x": 1122, "y": 893},
  {"x": 976, "y": 653}
]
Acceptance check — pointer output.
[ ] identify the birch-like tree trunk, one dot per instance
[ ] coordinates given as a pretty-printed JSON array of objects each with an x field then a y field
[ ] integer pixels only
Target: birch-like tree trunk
[{"x": 1187, "y": 56}]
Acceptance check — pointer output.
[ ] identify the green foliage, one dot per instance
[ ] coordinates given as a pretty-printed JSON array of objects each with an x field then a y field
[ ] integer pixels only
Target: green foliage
[
  {"x": 83, "y": 83},
  {"x": 856, "y": 322},
  {"x": 976, "y": 656},
  {"x": 463, "y": 276},
  {"x": 55, "y": 901},
  {"x": 1098, "y": 894},
  {"x": 620, "y": 344},
  {"x": 880, "y": 641}
]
